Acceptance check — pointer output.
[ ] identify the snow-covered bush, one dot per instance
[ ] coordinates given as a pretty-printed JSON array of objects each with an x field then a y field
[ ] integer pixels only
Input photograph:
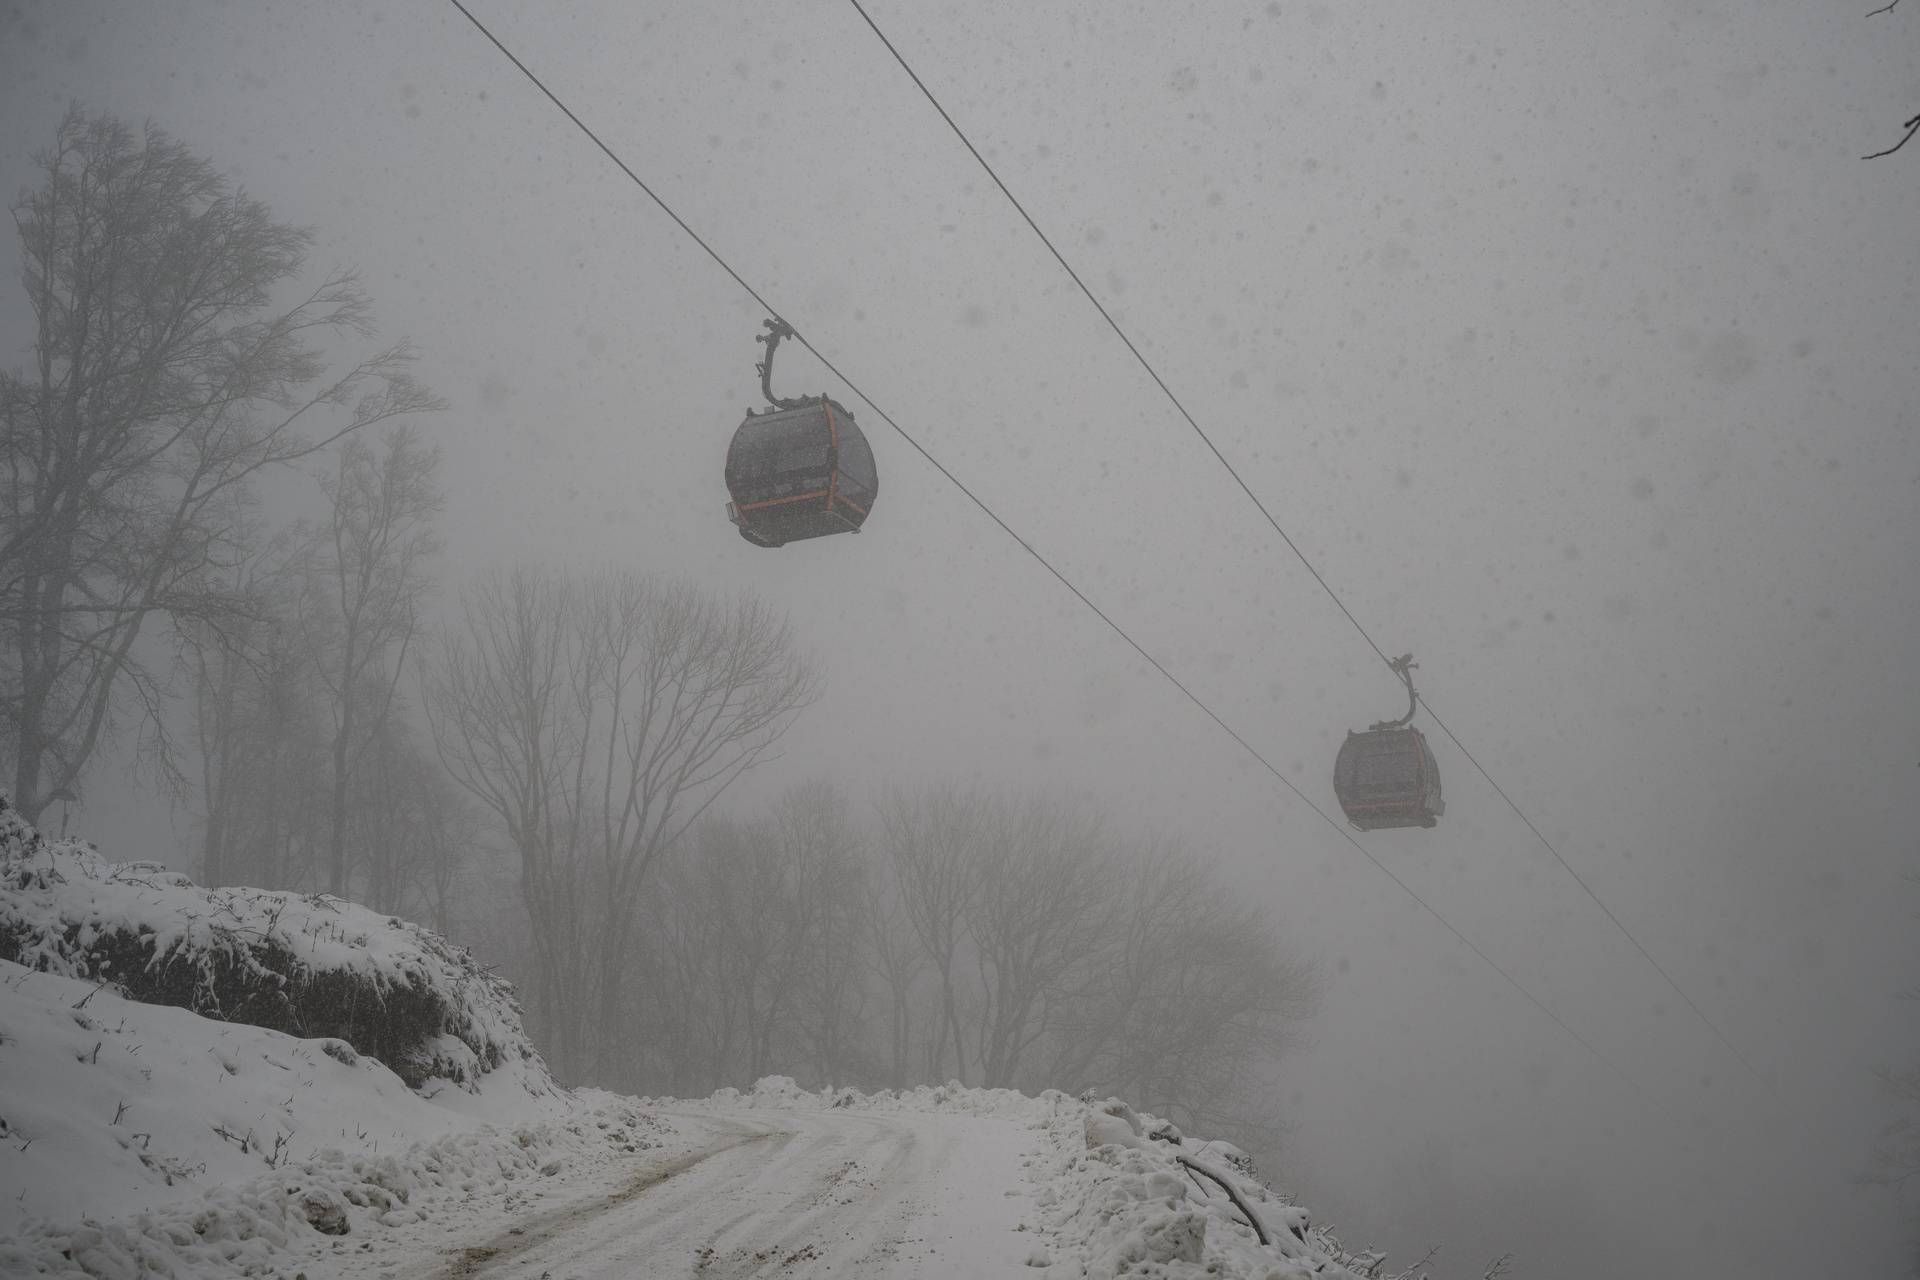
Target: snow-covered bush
[{"x": 308, "y": 965}]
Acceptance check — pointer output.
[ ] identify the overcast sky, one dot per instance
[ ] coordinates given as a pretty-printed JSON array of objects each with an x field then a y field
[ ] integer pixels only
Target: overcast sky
[{"x": 1574, "y": 345}]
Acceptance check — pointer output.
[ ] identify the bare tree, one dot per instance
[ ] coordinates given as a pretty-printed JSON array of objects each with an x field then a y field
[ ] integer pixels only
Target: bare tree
[
  {"x": 822, "y": 859},
  {"x": 936, "y": 843},
  {"x": 265, "y": 748},
  {"x": 756, "y": 943},
  {"x": 161, "y": 384},
  {"x": 599, "y": 718},
  {"x": 445, "y": 836},
  {"x": 506, "y": 730},
  {"x": 894, "y": 957},
  {"x": 225, "y": 673},
  {"x": 755, "y": 957},
  {"x": 367, "y": 582},
  {"x": 1048, "y": 897},
  {"x": 255, "y": 727},
  {"x": 1197, "y": 1000},
  {"x": 688, "y": 1023},
  {"x": 411, "y": 828}
]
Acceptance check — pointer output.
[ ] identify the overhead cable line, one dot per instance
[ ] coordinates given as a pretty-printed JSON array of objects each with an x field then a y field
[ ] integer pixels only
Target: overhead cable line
[
  {"x": 1048, "y": 565},
  {"x": 1284, "y": 536}
]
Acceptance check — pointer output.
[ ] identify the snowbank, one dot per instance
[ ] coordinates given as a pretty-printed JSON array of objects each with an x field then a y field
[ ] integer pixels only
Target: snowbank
[
  {"x": 308, "y": 965},
  {"x": 143, "y": 1140},
  {"x": 195, "y": 1081}
]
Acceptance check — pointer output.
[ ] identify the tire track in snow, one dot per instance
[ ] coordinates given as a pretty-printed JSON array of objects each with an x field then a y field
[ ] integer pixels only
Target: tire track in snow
[
  {"x": 799, "y": 1194},
  {"x": 476, "y": 1260}
]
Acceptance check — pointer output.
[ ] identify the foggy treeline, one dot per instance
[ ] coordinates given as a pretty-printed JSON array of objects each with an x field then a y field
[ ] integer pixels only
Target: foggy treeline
[
  {"x": 586, "y": 727},
  {"x": 1001, "y": 942},
  {"x": 537, "y": 761}
]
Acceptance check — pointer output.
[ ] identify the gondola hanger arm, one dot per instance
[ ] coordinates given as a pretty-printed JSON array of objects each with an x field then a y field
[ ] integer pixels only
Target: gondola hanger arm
[
  {"x": 776, "y": 330},
  {"x": 1403, "y": 666}
]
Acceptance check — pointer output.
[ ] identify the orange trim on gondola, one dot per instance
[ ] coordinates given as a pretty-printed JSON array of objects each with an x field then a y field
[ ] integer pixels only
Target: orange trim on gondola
[
  {"x": 779, "y": 502},
  {"x": 833, "y": 451},
  {"x": 1386, "y": 806}
]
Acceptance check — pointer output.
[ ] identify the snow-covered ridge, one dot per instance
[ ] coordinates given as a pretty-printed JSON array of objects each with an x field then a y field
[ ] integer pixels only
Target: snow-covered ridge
[{"x": 305, "y": 964}]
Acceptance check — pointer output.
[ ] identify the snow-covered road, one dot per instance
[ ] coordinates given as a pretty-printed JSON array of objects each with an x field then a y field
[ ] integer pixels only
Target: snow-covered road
[{"x": 834, "y": 1192}]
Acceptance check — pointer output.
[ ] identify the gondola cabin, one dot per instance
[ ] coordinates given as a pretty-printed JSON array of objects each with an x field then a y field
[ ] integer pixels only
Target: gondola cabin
[
  {"x": 799, "y": 471},
  {"x": 1386, "y": 777}
]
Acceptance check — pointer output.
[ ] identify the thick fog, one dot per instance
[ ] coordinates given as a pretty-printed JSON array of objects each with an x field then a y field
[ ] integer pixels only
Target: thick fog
[{"x": 1573, "y": 346}]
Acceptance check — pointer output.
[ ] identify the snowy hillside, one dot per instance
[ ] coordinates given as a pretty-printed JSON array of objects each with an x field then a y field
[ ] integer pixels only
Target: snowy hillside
[
  {"x": 305, "y": 964},
  {"x": 150, "y": 1138},
  {"x": 145, "y": 1139}
]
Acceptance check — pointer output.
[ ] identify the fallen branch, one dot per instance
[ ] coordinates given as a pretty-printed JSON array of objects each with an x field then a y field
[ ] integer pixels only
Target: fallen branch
[{"x": 1253, "y": 1219}]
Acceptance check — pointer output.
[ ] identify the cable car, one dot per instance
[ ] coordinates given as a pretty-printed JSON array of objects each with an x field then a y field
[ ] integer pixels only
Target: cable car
[
  {"x": 1387, "y": 777},
  {"x": 800, "y": 469}
]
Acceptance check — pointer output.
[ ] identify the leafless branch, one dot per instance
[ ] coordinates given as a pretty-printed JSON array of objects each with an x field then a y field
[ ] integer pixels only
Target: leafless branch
[{"x": 1912, "y": 126}]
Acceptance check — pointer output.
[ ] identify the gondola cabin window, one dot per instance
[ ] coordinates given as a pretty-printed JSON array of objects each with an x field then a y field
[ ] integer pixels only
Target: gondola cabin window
[{"x": 1391, "y": 771}]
